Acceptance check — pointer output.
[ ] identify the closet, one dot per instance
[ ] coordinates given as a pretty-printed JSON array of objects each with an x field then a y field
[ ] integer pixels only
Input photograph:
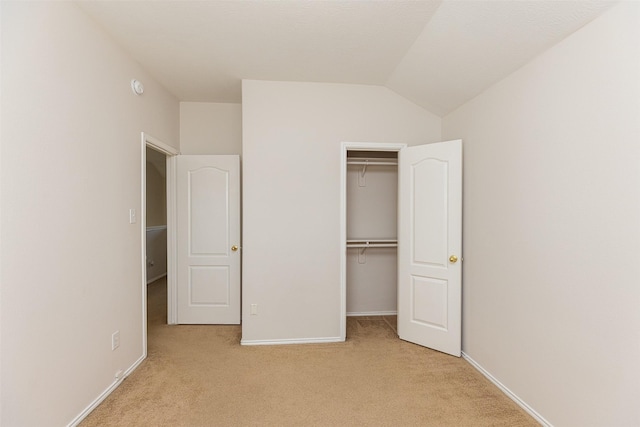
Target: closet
[
  {"x": 401, "y": 234},
  {"x": 371, "y": 245}
]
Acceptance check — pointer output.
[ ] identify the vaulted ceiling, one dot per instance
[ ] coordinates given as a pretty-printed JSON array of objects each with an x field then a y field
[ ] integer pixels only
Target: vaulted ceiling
[{"x": 438, "y": 54}]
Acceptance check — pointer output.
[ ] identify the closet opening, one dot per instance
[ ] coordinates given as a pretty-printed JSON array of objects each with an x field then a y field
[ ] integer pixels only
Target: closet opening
[{"x": 370, "y": 209}]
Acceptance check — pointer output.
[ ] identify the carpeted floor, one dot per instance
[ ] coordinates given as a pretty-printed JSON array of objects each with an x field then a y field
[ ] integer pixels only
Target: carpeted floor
[{"x": 202, "y": 376}]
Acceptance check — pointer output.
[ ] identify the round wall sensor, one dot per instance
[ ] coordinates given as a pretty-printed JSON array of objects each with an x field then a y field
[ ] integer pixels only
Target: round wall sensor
[{"x": 137, "y": 87}]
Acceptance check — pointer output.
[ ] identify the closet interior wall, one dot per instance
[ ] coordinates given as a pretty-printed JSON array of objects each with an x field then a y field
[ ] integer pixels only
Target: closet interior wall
[{"x": 372, "y": 192}]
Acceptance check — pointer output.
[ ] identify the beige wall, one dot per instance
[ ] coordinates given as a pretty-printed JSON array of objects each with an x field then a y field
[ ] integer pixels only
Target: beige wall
[
  {"x": 70, "y": 172},
  {"x": 1, "y": 202},
  {"x": 551, "y": 226},
  {"x": 156, "y": 197},
  {"x": 292, "y": 135},
  {"x": 210, "y": 128}
]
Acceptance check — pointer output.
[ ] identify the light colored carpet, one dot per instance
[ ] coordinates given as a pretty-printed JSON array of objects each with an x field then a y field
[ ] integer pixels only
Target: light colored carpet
[{"x": 202, "y": 376}]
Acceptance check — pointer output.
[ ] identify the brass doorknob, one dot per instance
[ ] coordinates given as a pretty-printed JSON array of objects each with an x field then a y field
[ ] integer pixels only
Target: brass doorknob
[
  {"x": 234, "y": 248},
  {"x": 453, "y": 259}
]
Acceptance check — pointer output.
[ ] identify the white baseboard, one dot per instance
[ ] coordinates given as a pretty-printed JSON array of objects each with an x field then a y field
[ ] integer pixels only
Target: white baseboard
[
  {"x": 511, "y": 395},
  {"x": 292, "y": 341},
  {"x": 77, "y": 420},
  {"x": 153, "y": 279},
  {"x": 372, "y": 313}
]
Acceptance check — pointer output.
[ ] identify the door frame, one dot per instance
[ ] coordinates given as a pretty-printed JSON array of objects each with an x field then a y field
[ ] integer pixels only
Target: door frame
[
  {"x": 170, "y": 153},
  {"x": 345, "y": 147}
]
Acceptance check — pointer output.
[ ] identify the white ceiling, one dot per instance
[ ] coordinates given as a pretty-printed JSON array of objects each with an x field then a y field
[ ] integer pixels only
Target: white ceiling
[{"x": 439, "y": 54}]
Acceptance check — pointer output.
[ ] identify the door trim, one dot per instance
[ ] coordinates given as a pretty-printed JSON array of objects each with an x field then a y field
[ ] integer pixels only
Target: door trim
[
  {"x": 169, "y": 151},
  {"x": 351, "y": 146}
]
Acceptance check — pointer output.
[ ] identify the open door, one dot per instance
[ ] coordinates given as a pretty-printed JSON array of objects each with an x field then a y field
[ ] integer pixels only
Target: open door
[
  {"x": 429, "y": 245},
  {"x": 208, "y": 239}
]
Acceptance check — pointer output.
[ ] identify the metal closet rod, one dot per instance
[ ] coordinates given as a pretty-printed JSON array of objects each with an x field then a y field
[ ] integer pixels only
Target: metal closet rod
[
  {"x": 380, "y": 243},
  {"x": 372, "y": 162}
]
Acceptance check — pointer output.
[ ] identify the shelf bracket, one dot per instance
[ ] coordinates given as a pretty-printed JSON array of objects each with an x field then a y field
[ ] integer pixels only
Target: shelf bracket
[
  {"x": 362, "y": 181},
  {"x": 362, "y": 257}
]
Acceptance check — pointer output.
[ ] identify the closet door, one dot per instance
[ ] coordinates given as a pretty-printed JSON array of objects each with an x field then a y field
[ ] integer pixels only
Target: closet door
[
  {"x": 208, "y": 239},
  {"x": 429, "y": 245}
]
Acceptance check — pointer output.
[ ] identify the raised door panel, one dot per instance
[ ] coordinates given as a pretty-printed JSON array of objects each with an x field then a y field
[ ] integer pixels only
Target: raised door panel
[
  {"x": 208, "y": 212},
  {"x": 429, "y": 212}
]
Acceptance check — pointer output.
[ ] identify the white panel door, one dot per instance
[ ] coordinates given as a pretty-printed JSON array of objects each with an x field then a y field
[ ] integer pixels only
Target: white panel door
[
  {"x": 208, "y": 239},
  {"x": 429, "y": 245}
]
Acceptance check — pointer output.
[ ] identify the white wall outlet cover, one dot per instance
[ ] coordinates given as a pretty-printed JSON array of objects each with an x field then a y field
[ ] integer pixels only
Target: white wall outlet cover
[{"x": 137, "y": 87}]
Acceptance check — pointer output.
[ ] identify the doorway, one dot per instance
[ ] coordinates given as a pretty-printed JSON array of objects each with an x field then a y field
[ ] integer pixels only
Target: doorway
[
  {"x": 156, "y": 214},
  {"x": 369, "y": 230},
  {"x": 160, "y": 260}
]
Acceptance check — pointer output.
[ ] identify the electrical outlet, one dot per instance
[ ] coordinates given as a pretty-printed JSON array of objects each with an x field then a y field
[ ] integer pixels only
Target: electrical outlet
[
  {"x": 254, "y": 309},
  {"x": 115, "y": 340}
]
